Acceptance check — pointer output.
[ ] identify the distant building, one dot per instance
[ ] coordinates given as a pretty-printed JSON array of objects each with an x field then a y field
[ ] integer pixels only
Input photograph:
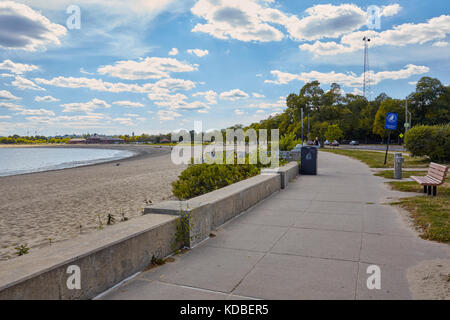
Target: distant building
[
  {"x": 96, "y": 139},
  {"x": 77, "y": 141}
]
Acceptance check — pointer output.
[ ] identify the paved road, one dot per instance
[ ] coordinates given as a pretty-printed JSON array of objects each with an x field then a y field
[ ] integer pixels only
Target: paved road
[
  {"x": 314, "y": 240},
  {"x": 375, "y": 147}
]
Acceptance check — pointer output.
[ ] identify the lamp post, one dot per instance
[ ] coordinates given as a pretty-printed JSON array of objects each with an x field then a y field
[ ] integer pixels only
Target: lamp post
[
  {"x": 406, "y": 116},
  {"x": 302, "y": 124}
]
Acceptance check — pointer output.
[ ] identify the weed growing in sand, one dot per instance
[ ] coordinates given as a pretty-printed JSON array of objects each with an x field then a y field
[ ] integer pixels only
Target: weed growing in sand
[
  {"x": 100, "y": 223},
  {"x": 124, "y": 218},
  {"x": 80, "y": 226},
  {"x": 21, "y": 250},
  {"x": 110, "y": 219},
  {"x": 50, "y": 241}
]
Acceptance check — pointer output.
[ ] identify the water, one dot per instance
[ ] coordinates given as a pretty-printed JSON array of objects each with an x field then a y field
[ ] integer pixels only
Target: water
[{"x": 26, "y": 160}]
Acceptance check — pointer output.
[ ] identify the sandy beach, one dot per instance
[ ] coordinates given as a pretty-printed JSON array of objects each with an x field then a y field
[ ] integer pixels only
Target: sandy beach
[{"x": 37, "y": 207}]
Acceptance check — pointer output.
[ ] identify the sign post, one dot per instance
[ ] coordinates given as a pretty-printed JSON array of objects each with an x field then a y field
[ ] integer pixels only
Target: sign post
[{"x": 390, "y": 124}]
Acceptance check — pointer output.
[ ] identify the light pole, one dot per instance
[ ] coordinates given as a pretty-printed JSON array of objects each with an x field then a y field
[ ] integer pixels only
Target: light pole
[
  {"x": 302, "y": 124},
  {"x": 406, "y": 116}
]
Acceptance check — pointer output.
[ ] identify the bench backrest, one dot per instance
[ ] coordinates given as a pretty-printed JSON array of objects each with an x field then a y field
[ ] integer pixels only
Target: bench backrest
[{"x": 437, "y": 171}]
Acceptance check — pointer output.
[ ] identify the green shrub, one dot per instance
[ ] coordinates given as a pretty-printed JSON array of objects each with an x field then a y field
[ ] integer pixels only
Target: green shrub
[
  {"x": 430, "y": 141},
  {"x": 199, "y": 179},
  {"x": 288, "y": 142}
]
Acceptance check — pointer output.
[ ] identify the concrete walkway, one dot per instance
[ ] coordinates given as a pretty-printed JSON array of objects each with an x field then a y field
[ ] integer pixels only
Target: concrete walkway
[{"x": 313, "y": 240}]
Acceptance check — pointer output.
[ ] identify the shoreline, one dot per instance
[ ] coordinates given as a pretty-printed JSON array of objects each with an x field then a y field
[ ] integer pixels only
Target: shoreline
[
  {"x": 41, "y": 208},
  {"x": 137, "y": 153}
]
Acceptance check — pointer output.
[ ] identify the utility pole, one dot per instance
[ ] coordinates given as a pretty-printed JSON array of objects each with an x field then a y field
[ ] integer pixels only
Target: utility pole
[
  {"x": 406, "y": 116},
  {"x": 307, "y": 136},
  {"x": 302, "y": 124}
]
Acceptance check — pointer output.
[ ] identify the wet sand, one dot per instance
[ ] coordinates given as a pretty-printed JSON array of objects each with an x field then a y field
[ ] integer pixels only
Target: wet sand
[{"x": 37, "y": 207}]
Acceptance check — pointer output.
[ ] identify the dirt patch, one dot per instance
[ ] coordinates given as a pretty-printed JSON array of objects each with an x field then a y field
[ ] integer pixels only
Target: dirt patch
[{"x": 430, "y": 280}]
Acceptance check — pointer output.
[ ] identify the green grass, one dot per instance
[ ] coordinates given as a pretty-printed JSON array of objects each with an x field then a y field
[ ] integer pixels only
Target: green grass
[
  {"x": 431, "y": 214},
  {"x": 389, "y": 174},
  {"x": 375, "y": 159}
]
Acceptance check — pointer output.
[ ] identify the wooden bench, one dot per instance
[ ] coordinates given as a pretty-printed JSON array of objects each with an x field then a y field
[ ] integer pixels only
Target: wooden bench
[{"x": 435, "y": 177}]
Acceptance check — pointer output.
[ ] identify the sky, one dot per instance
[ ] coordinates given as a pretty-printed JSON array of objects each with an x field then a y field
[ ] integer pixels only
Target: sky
[{"x": 155, "y": 66}]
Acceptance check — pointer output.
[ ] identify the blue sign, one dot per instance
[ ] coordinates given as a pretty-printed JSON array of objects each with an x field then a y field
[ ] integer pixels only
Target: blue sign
[{"x": 391, "y": 121}]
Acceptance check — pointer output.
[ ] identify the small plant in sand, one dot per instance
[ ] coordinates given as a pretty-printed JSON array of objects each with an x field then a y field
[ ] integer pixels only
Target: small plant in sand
[
  {"x": 110, "y": 219},
  {"x": 21, "y": 250},
  {"x": 50, "y": 241},
  {"x": 123, "y": 217},
  {"x": 80, "y": 226},
  {"x": 100, "y": 223}
]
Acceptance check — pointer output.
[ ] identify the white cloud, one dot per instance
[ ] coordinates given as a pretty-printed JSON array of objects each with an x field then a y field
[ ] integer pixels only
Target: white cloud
[
  {"x": 37, "y": 112},
  {"x": 238, "y": 112},
  {"x": 326, "y": 21},
  {"x": 82, "y": 122},
  {"x": 440, "y": 44},
  {"x": 210, "y": 96},
  {"x": 166, "y": 115},
  {"x": 86, "y": 107},
  {"x": 25, "y": 84},
  {"x": 257, "y": 95},
  {"x": 173, "y": 52},
  {"x": 11, "y": 106},
  {"x": 45, "y": 99},
  {"x": 5, "y": 117},
  {"x": 252, "y": 20},
  {"x": 198, "y": 52},
  {"x": 177, "y": 102},
  {"x": 235, "y": 19},
  {"x": 124, "y": 121},
  {"x": 233, "y": 95},
  {"x": 129, "y": 104},
  {"x": 131, "y": 9},
  {"x": 148, "y": 68},
  {"x": 405, "y": 34},
  {"x": 16, "y": 68},
  {"x": 391, "y": 10},
  {"x": 100, "y": 85},
  {"x": 85, "y": 72},
  {"x": 26, "y": 29},
  {"x": 350, "y": 79},
  {"x": 6, "y": 95}
]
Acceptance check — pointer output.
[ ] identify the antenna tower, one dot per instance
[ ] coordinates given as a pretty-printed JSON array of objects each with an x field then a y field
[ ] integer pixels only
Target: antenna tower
[{"x": 366, "y": 84}]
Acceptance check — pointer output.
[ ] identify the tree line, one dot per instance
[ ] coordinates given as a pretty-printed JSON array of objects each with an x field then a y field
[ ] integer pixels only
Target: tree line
[{"x": 352, "y": 117}]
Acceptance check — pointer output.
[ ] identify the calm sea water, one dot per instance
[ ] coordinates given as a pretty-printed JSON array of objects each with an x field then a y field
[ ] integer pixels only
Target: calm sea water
[{"x": 25, "y": 160}]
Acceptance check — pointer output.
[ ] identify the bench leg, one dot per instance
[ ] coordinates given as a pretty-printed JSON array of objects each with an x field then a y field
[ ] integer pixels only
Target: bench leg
[
  {"x": 424, "y": 189},
  {"x": 434, "y": 190},
  {"x": 429, "y": 190}
]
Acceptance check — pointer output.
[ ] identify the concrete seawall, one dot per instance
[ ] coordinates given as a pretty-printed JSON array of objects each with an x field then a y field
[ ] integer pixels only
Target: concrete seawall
[{"x": 108, "y": 256}]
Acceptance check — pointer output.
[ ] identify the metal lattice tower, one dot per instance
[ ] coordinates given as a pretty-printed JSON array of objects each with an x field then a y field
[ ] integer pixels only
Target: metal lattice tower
[{"x": 366, "y": 84}]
